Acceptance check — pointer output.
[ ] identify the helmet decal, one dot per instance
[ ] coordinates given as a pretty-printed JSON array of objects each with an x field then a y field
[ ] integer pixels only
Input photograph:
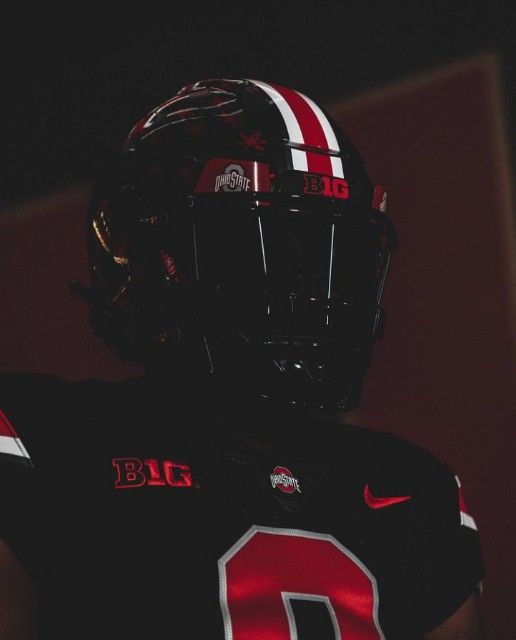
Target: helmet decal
[
  {"x": 225, "y": 175},
  {"x": 307, "y": 126}
]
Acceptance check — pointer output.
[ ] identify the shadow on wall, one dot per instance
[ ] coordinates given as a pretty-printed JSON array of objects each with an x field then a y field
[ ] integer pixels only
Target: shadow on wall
[{"x": 444, "y": 375}]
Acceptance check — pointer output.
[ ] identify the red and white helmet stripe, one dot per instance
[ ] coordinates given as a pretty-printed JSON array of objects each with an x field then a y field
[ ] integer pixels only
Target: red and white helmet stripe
[{"x": 308, "y": 126}]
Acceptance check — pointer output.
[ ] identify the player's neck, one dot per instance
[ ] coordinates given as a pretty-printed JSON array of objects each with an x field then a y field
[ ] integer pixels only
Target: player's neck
[
  {"x": 255, "y": 418},
  {"x": 266, "y": 425}
]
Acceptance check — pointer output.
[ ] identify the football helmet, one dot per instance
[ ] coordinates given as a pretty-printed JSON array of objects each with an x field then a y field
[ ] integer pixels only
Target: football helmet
[{"x": 237, "y": 232}]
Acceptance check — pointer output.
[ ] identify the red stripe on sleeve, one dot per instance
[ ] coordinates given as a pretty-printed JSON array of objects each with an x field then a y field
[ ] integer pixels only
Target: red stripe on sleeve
[
  {"x": 311, "y": 128},
  {"x": 6, "y": 428},
  {"x": 462, "y": 503}
]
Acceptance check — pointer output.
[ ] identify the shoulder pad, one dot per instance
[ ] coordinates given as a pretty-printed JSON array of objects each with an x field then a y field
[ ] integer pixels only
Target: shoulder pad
[{"x": 21, "y": 396}]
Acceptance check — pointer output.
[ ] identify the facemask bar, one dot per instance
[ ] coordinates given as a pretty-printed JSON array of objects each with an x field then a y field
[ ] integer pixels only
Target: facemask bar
[
  {"x": 216, "y": 329},
  {"x": 326, "y": 304}
]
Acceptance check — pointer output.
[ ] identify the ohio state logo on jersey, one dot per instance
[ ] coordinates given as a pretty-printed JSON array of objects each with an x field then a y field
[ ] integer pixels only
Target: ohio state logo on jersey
[
  {"x": 150, "y": 472},
  {"x": 283, "y": 479}
]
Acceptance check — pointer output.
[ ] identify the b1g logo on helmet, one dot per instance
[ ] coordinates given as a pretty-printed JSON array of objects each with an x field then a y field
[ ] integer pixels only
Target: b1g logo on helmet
[
  {"x": 326, "y": 186},
  {"x": 283, "y": 479},
  {"x": 233, "y": 179}
]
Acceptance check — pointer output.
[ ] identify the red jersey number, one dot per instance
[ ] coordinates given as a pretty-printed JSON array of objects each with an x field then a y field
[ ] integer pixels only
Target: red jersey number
[{"x": 268, "y": 569}]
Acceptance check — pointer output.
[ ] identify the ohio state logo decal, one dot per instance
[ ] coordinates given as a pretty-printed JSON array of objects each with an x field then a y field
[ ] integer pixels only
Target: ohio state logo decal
[
  {"x": 233, "y": 179},
  {"x": 283, "y": 479}
]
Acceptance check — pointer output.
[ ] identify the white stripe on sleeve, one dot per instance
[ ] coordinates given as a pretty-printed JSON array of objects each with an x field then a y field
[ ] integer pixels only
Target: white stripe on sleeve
[{"x": 13, "y": 446}]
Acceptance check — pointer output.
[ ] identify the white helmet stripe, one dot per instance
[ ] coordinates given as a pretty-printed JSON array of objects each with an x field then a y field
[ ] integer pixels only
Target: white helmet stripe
[
  {"x": 299, "y": 159},
  {"x": 331, "y": 139}
]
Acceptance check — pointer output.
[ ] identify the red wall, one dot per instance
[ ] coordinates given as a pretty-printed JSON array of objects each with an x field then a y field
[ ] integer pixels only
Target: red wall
[{"x": 444, "y": 375}]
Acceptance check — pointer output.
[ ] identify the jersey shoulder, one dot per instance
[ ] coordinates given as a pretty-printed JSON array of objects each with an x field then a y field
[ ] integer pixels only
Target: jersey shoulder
[
  {"x": 46, "y": 413},
  {"x": 413, "y": 470},
  {"x": 397, "y": 457},
  {"x": 35, "y": 410},
  {"x": 390, "y": 466},
  {"x": 22, "y": 396}
]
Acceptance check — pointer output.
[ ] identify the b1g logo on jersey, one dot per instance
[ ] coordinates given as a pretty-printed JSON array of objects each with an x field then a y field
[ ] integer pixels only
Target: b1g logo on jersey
[
  {"x": 133, "y": 472},
  {"x": 283, "y": 479},
  {"x": 233, "y": 179},
  {"x": 328, "y": 186}
]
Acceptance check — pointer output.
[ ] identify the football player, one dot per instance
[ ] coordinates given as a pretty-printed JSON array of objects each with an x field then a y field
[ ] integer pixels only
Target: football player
[{"x": 238, "y": 250}]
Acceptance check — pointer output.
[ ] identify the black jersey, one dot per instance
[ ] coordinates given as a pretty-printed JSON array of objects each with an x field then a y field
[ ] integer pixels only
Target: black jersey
[{"x": 143, "y": 516}]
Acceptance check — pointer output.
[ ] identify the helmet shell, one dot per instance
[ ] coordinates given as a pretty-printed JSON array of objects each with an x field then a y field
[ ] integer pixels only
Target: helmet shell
[{"x": 246, "y": 149}]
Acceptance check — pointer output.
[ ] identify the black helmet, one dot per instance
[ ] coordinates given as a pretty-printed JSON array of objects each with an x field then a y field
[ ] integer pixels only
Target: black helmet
[{"x": 237, "y": 232}]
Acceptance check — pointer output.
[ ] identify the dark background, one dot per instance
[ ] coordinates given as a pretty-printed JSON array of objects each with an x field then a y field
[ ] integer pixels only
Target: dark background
[
  {"x": 74, "y": 81},
  {"x": 426, "y": 91}
]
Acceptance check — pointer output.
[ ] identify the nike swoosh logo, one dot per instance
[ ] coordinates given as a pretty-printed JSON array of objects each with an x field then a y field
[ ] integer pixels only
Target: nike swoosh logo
[{"x": 379, "y": 503}]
